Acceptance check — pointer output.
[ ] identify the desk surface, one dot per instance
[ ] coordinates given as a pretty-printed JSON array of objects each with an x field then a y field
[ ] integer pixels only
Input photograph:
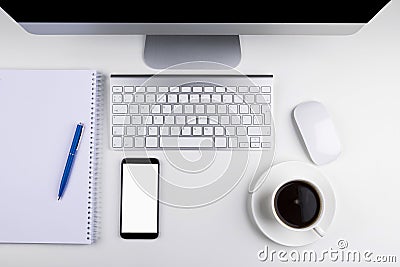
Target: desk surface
[{"x": 357, "y": 77}]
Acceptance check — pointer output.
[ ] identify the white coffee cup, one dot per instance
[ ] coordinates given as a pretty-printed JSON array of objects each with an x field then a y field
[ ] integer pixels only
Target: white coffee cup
[{"x": 315, "y": 225}]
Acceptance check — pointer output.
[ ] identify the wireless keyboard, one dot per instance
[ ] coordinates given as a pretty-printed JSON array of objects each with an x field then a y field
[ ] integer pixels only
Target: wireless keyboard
[{"x": 190, "y": 112}]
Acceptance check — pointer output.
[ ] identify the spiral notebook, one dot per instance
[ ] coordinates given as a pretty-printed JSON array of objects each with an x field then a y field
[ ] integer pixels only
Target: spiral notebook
[{"x": 39, "y": 111}]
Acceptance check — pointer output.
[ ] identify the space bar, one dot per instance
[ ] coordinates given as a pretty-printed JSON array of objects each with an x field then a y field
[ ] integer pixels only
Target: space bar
[{"x": 186, "y": 142}]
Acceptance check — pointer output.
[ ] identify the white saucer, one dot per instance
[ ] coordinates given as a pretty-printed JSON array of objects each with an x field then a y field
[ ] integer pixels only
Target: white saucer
[{"x": 264, "y": 219}]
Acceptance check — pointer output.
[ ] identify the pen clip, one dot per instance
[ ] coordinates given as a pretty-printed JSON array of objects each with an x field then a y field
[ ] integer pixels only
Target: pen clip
[{"x": 80, "y": 136}]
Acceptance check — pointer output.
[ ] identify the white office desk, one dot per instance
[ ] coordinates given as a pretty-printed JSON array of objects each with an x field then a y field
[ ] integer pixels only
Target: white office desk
[{"x": 357, "y": 78}]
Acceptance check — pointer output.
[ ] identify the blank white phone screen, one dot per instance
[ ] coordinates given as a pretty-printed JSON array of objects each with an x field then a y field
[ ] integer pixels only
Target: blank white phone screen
[{"x": 139, "y": 198}]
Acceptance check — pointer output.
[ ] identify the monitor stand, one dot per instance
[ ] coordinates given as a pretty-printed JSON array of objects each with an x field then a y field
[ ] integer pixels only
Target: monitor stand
[{"x": 165, "y": 51}]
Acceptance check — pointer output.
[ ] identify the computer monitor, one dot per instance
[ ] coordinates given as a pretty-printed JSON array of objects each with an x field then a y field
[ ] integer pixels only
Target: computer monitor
[{"x": 178, "y": 32}]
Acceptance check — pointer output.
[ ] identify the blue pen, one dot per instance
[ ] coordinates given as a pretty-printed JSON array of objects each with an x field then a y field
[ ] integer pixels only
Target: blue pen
[{"x": 70, "y": 159}]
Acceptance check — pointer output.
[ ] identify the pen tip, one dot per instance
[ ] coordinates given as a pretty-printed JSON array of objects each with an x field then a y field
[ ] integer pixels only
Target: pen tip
[{"x": 58, "y": 199}]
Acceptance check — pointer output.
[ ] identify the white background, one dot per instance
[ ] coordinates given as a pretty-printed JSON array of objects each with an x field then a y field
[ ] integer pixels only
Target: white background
[{"x": 358, "y": 79}]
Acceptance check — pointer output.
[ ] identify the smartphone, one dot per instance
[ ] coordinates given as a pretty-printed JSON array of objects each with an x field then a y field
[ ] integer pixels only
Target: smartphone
[{"x": 139, "y": 211}]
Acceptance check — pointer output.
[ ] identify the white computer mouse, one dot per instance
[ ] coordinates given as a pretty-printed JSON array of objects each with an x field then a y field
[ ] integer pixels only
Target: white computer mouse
[{"x": 318, "y": 132}]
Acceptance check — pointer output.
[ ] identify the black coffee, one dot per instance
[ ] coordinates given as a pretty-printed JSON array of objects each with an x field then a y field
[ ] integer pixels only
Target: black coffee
[{"x": 297, "y": 204}]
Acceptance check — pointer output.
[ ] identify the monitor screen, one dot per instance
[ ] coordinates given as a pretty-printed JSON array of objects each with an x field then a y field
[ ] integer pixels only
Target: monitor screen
[{"x": 205, "y": 11}]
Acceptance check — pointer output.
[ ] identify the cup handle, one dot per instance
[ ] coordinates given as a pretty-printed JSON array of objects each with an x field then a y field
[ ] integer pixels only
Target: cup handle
[{"x": 319, "y": 231}]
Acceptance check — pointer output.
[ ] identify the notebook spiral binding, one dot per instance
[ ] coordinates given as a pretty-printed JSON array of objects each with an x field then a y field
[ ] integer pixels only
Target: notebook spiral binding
[{"x": 96, "y": 115}]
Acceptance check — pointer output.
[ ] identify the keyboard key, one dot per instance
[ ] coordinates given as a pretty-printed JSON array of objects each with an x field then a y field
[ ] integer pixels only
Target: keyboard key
[
  {"x": 147, "y": 119},
  {"x": 208, "y": 130},
  {"x": 231, "y": 89},
  {"x": 254, "y": 139},
  {"x": 220, "y": 142},
  {"x": 233, "y": 142},
  {"x": 222, "y": 109},
  {"x": 155, "y": 109},
  {"x": 117, "y": 98},
  {"x": 117, "y": 142},
  {"x": 117, "y": 89},
  {"x": 186, "y": 130},
  {"x": 180, "y": 120},
  {"x": 258, "y": 120},
  {"x": 197, "y": 89},
  {"x": 128, "y": 142},
  {"x": 163, "y": 89},
  {"x": 131, "y": 130},
  {"x": 191, "y": 120},
  {"x": 186, "y": 89},
  {"x": 266, "y": 144},
  {"x": 162, "y": 99},
  {"x": 139, "y": 98},
  {"x": 183, "y": 98},
  {"x": 219, "y": 130},
  {"x": 151, "y": 142},
  {"x": 267, "y": 117},
  {"x": 118, "y": 130},
  {"x": 151, "y": 89},
  {"x": 209, "y": 89},
  {"x": 197, "y": 130},
  {"x": 254, "y": 89},
  {"x": 216, "y": 98},
  {"x": 167, "y": 109},
  {"x": 172, "y": 98},
  {"x": 233, "y": 109},
  {"x": 266, "y": 89},
  {"x": 120, "y": 120},
  {"x": 237, "y": 99},
  {"x": 175, "y": 131},
  {"x": 120, "y": 109},
  {"x": 202, "y": 120},
  {"x": 140, "y": 89},
  {"x": 144, "y": 109},
  {"x": 241, "y": 131},
  {"x": 225, "y": 120},
  {"x": 243, "y": 89},
  {"x": 136, "y": 120},
  {"x": 255, "y": 109},
  {"x": 134, "y": 109},
  {"x": 263, "y": 99},
  {"x": 213, "y": 120},
  {"x": 186, "y": 142},
  {"x": 220, "y": 89},
  {"x": 246, "y": 120},
  {"x": 174, "y": 89},
  {"x": 158, "y": 120},
  {"x": 139, "y": 141},
  {"x": 243, "y": 145},
  {"x": 141, "y": 130},
  {"x": 211, "y": 109},
  {"x": 235, "y": 120},
  {"x": 150, "y": 98},
  {"x": 199, "y": 109},
  {"x": 128, "y": 89},
  {"x": 169, "y": 120},
  {"x": 194, "y": 98},
  {"x": 255, "y": 145},
  {"x": 205, "y": 98},
  {"x": 249, "y": 99},
  {"x": 259, "y": 131},
  {"x": 230, "y": 131},
  {"x": 189, "y": 109},
  {"x": 128, "y": 98},
  {"x": 153, "y": 130},
  {"x": 227, "y": 98},
  {"x": 244, "y": 109},
  {"x": 164, "y": 131},
  {"x": 178, "y": 109}
]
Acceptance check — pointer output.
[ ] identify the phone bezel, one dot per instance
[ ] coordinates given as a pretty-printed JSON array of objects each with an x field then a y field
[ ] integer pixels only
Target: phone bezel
[{"x": 126, "y": 235}]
